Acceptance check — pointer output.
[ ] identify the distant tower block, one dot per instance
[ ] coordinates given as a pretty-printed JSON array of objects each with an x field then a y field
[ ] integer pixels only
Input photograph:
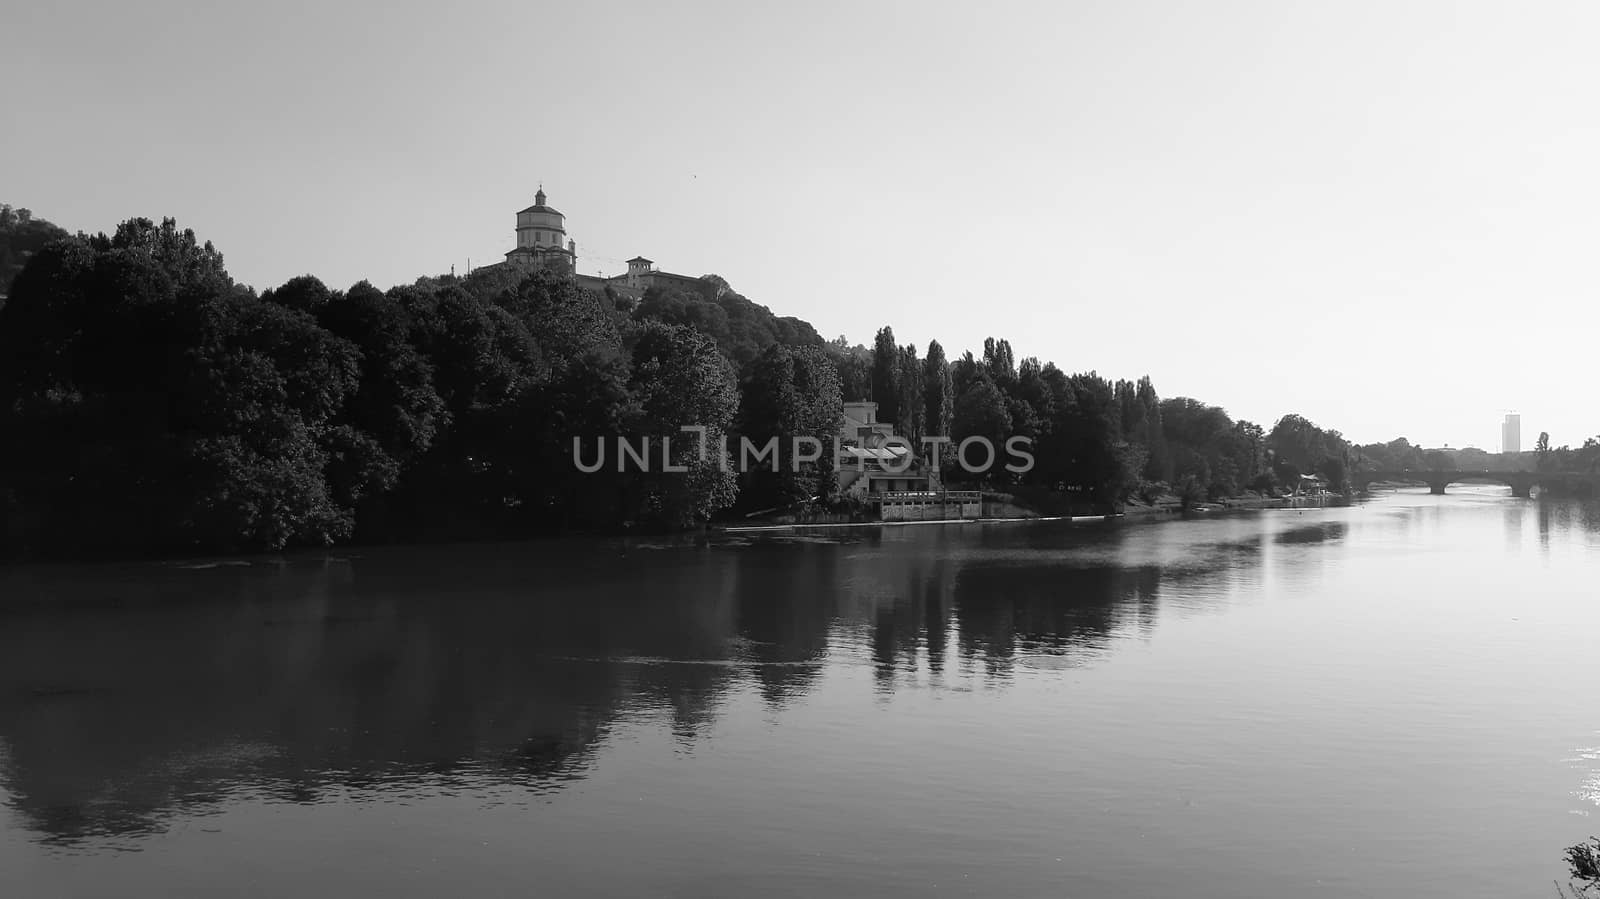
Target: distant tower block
[{"x": 1511, "y": 433}]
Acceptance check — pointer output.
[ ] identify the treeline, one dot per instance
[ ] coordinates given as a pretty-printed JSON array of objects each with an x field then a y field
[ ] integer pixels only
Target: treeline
[
  {"x": 149, "y": 404},
  {"x": 1400, "y": 456},
  {"x": 1100, "y": 440}
]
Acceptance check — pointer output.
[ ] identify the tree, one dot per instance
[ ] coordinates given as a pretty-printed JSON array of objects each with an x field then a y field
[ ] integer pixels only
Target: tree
[
  {"x": 741, "y": 328},
  {"x": 909, "y": 399},
  {"x": 1081, "y": 448},
  {"x": 854, "y": 367},
  {"x": 999, "y": 360},
  {"x": 963, "y": 372},
  {"x": 681, "y": 379},
  {"x": 937, "y": 391},
  {"x": 1299, "y": 444},
  {"x": 579, "y": 383},
  {"x": 981, "y": 412},
  {"x": 790, "y": 393},
  {"x": 886, "y": 375},
  {"x": 22, "y": 236},
  {"x": 1205, "y": 445},
  {"x": 156, "y": 406},
  {"x": 1587, "y": 457},
  {"x": 1332, "y": 469},
  {"x": 1249, "y": 446},
  {"x": 1030, "y": 400}
]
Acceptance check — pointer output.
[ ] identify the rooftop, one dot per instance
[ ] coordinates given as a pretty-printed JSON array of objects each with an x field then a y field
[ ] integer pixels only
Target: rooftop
[{"x": 881, "y": 454}]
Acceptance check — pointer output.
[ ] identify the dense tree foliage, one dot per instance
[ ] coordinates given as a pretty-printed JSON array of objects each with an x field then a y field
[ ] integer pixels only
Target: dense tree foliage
[
  {"x": 681, "y": 380},
  {"x": 1397, "y": 455},
  {"x": 150, "y": 401},
  {"x": 789, "y": 393},
  {"x": 1098, "y": 440},
  {"x": 855, "y": 369},
  {"x": 741, "y": 328},
  {"x": 21, "y": 236},
  {"x": 150, "y": 404}
]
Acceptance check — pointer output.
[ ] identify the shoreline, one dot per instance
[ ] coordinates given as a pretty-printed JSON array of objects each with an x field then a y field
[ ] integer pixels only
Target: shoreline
[
  {"x": 881, "y": 524},
  {"x": 1136, "y": 513}
]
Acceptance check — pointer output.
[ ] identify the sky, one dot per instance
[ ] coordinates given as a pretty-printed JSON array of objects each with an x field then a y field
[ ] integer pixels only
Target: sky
[{"x": 1381, "y": 216}]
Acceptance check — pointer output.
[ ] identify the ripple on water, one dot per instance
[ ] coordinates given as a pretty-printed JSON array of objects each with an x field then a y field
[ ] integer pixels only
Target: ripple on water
[
  {"x": 719, "y": 663},
  {"x": 1045, "y": 662}
]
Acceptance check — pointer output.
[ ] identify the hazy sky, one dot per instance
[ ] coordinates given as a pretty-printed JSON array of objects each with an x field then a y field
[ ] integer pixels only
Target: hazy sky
[{"x": 1383, "y": 216}]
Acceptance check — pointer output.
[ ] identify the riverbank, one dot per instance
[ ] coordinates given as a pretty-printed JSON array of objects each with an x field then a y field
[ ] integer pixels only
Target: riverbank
[
  {"x": 1001, "y": 508},
  {"x": 996, "y": 507},
  {"x": 874, "y": 524},
  {"x": 1248, "y": 501}
]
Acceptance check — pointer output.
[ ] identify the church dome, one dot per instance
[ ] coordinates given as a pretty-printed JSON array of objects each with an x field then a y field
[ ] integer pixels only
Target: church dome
[
  {"x": 540, "y": 224},
  {"x": 539, "y": 206}
]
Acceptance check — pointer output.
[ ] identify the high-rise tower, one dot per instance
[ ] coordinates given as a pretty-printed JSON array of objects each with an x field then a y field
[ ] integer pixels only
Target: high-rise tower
[{"x": 1511, "y": 433}]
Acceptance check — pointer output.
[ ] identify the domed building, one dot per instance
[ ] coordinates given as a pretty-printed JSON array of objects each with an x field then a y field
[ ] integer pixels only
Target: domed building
[
  {"x": 542, "y": 241},
  {"x": 544, "y": 245}
]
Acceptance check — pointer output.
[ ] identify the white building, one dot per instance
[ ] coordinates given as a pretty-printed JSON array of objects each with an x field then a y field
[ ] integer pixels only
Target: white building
[
  {"x": 868, "y": 464},
  {"x": 1511, "y": 433},
  {"x": 542, "y": 241}
]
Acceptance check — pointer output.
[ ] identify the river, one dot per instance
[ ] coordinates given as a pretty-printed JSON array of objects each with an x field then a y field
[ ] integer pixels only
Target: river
[{"x": 1393, "y": 699}]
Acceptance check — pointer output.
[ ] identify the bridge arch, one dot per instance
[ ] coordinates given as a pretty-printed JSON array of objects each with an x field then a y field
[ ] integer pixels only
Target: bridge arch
[{"x": 1520, "y": 482}]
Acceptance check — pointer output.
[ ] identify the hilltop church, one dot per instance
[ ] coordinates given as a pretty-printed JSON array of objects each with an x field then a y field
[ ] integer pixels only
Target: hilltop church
[{"x": 544, "y": 245}]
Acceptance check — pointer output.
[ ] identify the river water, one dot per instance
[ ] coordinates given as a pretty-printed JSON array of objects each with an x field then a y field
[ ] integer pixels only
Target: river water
[{"x": 1395, "y": 699}]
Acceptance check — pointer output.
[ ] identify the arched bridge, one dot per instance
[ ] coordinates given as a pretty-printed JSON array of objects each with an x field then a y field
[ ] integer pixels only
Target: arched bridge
[{"x": 1520, "y": 482}]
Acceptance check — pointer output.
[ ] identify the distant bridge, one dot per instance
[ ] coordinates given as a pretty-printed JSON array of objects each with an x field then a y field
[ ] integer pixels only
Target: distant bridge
[{"x": 1520, "y": 482}]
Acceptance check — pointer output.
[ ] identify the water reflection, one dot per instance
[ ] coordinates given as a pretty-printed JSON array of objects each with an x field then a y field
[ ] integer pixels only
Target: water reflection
[
  {"x": 1321, "y": 532},
  {"x": 133, "y": 695},
  {"x": 142, "y": 692}
]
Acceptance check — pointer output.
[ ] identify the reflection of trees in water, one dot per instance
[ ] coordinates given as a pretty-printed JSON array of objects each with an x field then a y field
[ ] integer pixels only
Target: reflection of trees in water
[
  {"x": 914, "y": 622},
  {"x": 1321, "y": 532},
  {"x": 1006, "y": 610},
  {"x": 1068, "y": 604},
  {"x": 491, "y": 665},
  {"x": 787, "y": 601},
  {"x": 315, "y": 677},
  {"x": 1564, "y": 516},
  {"x": 483, "y": 666}
]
